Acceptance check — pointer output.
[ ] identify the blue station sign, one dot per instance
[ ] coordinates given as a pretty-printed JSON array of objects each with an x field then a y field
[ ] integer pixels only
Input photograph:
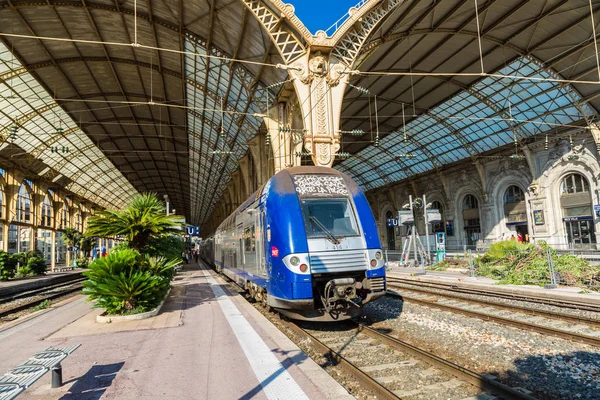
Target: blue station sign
[{"x": 193, "y": 230}]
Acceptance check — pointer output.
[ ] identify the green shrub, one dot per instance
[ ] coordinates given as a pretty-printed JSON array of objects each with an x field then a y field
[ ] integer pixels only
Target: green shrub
[
  {"x": 43, "y": 305},
  {"x": 8, "y": 266},
  {"x": 161, "y": 266},
  {"x": 511, "y": 262},
  {"x": 168, "y": 246},
  {"x": 24, "y": 271},
  {"x": 37, "y": 265},
  {"x": 123, "y": 281},
  {"x": 82, "y": 262}
]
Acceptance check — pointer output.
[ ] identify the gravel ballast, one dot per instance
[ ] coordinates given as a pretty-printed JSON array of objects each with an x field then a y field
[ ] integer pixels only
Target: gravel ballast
[{"x": 551, "y": 368}]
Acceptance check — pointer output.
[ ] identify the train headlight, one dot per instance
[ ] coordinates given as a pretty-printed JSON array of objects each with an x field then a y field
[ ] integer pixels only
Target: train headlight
[
  {"x": 373, "y": 263},
  {"x": 378, "y": 255},
  {"x": 303, "y": 267},
  {"x": 295, "y": 261}
]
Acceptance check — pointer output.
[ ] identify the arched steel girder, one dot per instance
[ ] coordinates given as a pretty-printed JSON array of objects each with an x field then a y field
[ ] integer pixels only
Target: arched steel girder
[
  {"x": 109, "y": 137},
  {"x": 420, "y": 147},
  {"x": 409, "y": 171},
  {"x": 38, "y": 150},
  {"x": 391, "y": 36},
  {"x": 350, "y": 43},
  {"x": 465, "y": 143},
  {"x": 23, "y": 119},
  {"x": 288, "y": 44},
  {"x": 500, "y": 44},
  {"x": 376, "y": 168},
  {"x": 500, "y": 111},
  {"x": 255, "y": 87},
  {"x": 11, "y": 74},
  {"x": 118, "y": 9},
  {"x": 136, "y": 63},
  {"x": 369, "y": 48}
]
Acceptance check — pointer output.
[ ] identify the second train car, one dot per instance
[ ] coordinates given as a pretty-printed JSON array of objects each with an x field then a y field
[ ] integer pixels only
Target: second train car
[{"x": 306, "y": 244}]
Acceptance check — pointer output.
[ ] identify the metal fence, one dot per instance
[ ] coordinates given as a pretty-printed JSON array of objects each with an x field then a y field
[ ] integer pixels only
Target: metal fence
[{"x": 546, "y": 267}]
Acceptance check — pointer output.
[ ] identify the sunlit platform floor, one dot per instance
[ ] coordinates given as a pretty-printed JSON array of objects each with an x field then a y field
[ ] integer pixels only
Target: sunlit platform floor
[{"x": 206, "y": 343}]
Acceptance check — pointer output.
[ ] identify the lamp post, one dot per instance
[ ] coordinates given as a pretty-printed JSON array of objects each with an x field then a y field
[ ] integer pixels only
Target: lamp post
[
  {"x": 166, "y": 197},
  {"x": 426, "y": 228}
]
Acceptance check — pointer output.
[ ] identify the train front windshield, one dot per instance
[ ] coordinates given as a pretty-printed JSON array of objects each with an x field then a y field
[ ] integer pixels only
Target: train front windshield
[{"x": 324, "y": 218}]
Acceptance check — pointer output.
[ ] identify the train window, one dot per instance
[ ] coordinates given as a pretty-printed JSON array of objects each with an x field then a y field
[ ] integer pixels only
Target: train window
[
  {"x": 249, "y": 239},
  {"x": 327, "y": 217}
]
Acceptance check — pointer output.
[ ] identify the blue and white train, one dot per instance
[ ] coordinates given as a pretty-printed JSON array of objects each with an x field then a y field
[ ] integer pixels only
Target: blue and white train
[{"x": 306, "y": 244}]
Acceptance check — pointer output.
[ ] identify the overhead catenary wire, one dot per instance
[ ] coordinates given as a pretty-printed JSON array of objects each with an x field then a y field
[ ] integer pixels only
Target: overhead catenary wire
[
  {"x": 280, "y": 66},
  {"x": 595, "y": 40}
]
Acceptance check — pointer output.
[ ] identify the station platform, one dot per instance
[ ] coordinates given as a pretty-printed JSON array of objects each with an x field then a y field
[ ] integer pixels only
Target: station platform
[
  {"x": 206, "y": 343},
  {"x": 34, "y": 282},
  {"x": 458, "y": 279}
]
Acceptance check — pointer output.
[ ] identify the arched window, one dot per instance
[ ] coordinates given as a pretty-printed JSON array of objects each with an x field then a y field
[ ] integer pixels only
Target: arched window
[
  {"x": 470, "y": 208},
  {"x": 574, "y": 183},
  {"x": 1, "y": 201},
  {"x": 23, "y": 209},
  {"x": 513, "y": 194},
  {"x": 64, "y": 216},
  {"x": 391, "y": 234},
  {"x": 470, "y": 202},
  {"x": 46, "y": 212},
  {"x": 515, "y": 213},
  {"x": 578, "y": 215},
  {"x": 438, "y": 226}
]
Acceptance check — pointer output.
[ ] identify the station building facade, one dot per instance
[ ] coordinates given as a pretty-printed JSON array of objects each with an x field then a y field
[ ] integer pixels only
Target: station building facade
[
  {"x": 545, "y": 191},
  {"x": 33, "y": 216}
]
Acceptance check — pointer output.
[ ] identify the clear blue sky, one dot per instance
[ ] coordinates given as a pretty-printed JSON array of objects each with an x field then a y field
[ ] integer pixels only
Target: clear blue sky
[{"x": 320, "y": 14}]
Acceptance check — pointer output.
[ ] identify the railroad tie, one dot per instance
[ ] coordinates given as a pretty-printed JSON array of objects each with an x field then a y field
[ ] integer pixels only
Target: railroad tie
[
  {"x": 401, "y": 364},
  {"x": 451, "y": 384}
]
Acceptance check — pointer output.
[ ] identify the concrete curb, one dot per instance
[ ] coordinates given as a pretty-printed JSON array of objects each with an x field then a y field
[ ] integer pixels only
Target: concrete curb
[{"x": 107, "y": 319}]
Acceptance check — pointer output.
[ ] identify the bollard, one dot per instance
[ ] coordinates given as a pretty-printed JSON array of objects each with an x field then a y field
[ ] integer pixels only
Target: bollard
[
  {"x": 57, "y": 376},
  {"x": 471, "y": 266}
]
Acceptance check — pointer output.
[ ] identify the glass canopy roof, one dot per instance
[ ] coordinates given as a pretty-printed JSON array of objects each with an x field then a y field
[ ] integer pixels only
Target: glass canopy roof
[
  {"x": 43, "y": 129},
  {"x": 218, "y": 139},
  {"x": 492, "y": 113}
]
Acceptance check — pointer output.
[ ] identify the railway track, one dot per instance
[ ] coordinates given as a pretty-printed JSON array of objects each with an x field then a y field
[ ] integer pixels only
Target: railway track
[
  {"x": 33, "y": 298},
  {"x": 489, "y": 292},
  {"x": 577, "y": 328},
  {"x": 402, "y": 371}
]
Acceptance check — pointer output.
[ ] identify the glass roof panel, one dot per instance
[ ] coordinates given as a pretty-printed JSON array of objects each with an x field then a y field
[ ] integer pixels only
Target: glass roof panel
[
  {"x": 486, "y": 116},
  {"x": 214, "y": 156},
  {"x": 25, "y": 104}
]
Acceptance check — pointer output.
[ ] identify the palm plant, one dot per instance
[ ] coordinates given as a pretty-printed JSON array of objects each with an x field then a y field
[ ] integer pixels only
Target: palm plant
[
  {"x": 119, "y": 283},
  {"x": 72, "y": 239},
  {"x": 144, "y": 218},
  {"x": 86, "y": 245},
  {"x": 162, "y": 266}
]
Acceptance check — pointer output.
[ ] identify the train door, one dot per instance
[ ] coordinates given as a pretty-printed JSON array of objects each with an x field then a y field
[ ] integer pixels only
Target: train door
[{"x": 260, "y": 242}]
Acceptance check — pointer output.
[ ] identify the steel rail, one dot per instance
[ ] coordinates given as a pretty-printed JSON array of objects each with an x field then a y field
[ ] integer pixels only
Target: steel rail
[
  {"x": 483, "y": 382},
  {"x": 75, "y": 278},
  {"x": 508, "y": 307},
  {"x": 480, "y": 381},
  {"x": 491, "y": 293},
  {"x": 367, "y": 381},
  {"x": 579, "y": 337},
  {"x": 21, "y": 307}
]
